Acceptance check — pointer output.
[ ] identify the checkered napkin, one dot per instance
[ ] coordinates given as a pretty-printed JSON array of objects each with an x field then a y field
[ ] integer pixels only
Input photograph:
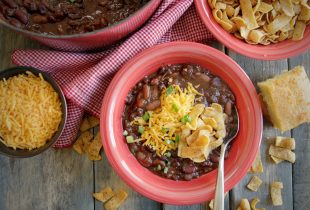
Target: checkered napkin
[{"x": 85, "y": 77}]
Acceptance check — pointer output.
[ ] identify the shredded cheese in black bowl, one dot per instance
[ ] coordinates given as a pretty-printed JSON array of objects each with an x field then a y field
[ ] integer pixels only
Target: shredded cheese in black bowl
[{"x": 33, "y": 112}]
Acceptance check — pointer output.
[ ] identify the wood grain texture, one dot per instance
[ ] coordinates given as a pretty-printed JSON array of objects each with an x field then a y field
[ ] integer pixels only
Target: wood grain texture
[
  {"x": 54, "y": 180},
  {"x": 301, "y": 168},
  {"x": 259, "y": 71},
  {"x": 106, "y": 176}
]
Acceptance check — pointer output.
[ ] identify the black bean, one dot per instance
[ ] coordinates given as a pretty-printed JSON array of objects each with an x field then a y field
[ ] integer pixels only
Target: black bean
[
  {"x": 10, "y": 12},
  {"x": 42, "y": 9},
  {"x": 103, "y": 22},
  {"x": 10, "y": 3}
]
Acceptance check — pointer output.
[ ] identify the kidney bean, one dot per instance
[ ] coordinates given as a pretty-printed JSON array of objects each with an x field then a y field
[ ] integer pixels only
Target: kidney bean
[
  {"x": 146, "y": 92},
  {"x": 188, "y": 168},
  {"x": 146, "y": 161},
  {"x": 21, "y": 16},
  {"x": 227, "y": 108},
  {"x": 188, "y": 177},
  {"x": 153, "y": 105},
  {"x": 154, "y": 93},
  {"x": 204, "y": 78},
  {"x": 159, "y": 162},
  {"x": 40, "y": 19},
  {"x": 141, "y": 102},
  {"x": 10, "y": 3}
]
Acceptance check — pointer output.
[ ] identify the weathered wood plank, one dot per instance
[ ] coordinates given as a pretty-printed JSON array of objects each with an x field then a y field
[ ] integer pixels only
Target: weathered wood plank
[
  {"x": 301, "y": 169},
  {"x": 259, "y": 71},
  {"x": 106, "y": 176},
  {"x": 56, "y": 179}
]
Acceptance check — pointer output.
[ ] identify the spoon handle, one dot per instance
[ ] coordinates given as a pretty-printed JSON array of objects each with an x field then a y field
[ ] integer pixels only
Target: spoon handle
[{"x": 219, "y": 190}]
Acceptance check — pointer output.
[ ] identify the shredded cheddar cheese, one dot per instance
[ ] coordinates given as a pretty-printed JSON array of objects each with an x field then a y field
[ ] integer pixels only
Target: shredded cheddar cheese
[
  {"x": 162, "y": 130},
  {"x": 30, "y": 111}
]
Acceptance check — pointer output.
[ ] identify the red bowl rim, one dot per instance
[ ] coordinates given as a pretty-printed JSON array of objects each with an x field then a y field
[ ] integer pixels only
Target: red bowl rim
[
  {"x": 105, "y": 130},
  {"x": 281, "y": 50}
]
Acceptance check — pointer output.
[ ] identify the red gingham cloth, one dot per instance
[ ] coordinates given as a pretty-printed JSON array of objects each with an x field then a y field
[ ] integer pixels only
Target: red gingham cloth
[{"x": 85, "y": 77}]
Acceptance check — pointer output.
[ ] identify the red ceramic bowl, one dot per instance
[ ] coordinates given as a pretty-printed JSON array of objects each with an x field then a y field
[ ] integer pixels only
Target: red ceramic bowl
[
  {"x": 95, "y": 39},
  {"x": 276, "y": 51},
  {"x": 243, "y": 150}
]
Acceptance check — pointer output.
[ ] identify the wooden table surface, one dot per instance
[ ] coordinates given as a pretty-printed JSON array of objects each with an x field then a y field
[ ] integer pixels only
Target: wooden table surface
[{"x": 63, "y": 180}]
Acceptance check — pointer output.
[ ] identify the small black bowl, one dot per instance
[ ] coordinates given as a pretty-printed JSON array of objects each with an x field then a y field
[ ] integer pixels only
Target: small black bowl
[{"x": 22, "y": 153}]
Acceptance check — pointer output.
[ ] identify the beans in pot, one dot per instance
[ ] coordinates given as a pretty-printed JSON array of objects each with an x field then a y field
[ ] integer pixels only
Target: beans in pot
[
  {"x": 62, "y": 17},
  {"x": 145, "y": 96}
]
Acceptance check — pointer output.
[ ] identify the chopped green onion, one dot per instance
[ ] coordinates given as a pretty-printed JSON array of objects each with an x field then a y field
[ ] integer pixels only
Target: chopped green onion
[
  {"x": 175, "y": 107},
  {"x": 168, "y": 154},
  {"x": 129, "y": 139},
  {"x": 177, "y": 138},
  {"x": 169, "y": 90},
  {"x": 165, "y": 130},
  {"x": 186, "y": 118},
  {"x": 146, "y": 116},
  {"x": 166, "y": 170},
  {"x": 125, "y": 133},
  {"x": 158, "y": 167},
  {"x": 141, "y": 129},
  {"x": 72, "y": 1},
  {"x": 168, "y": 141}
]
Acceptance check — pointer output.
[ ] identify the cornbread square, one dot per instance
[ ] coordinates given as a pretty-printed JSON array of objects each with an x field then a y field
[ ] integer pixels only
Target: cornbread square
[{"x": 287, "y": 97}]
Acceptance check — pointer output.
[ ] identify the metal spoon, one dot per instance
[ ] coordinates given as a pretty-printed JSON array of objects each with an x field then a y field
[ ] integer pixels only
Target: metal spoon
[{"x": 219, "y": 191}]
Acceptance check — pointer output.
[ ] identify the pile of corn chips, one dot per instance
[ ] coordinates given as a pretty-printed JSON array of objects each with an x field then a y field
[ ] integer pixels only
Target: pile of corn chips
[
  {"x": 111, "y": 199},
  {"x": 204, "y": 134},
  {"x": 262, "y": 21},
  {"x": 282, "y": 150},
  {"x": 86, "y": 143}
]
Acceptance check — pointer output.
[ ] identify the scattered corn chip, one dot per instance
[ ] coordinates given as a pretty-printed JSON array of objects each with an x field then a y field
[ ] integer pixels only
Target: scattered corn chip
[
  {"x": 93, "y": 150},
  {"x": 211, "y": 204},
  {"x": 82, "y": 142},
  {"x": 285, "y": 142},
  {"x": 276, "y": 160},
  {"x": 244, "y": 204},
  {"x": 89, "y": 122},
  {"x": 254, "y": 183},
  {"x": 275, "y": 192},
  {"x": 104, "y": 195},
  {"x": 282, "y": 153},
  {"x": 116, "y": 200},
  {"x": 257, "y": 166},
  {"x": 253, "y": 204}
]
